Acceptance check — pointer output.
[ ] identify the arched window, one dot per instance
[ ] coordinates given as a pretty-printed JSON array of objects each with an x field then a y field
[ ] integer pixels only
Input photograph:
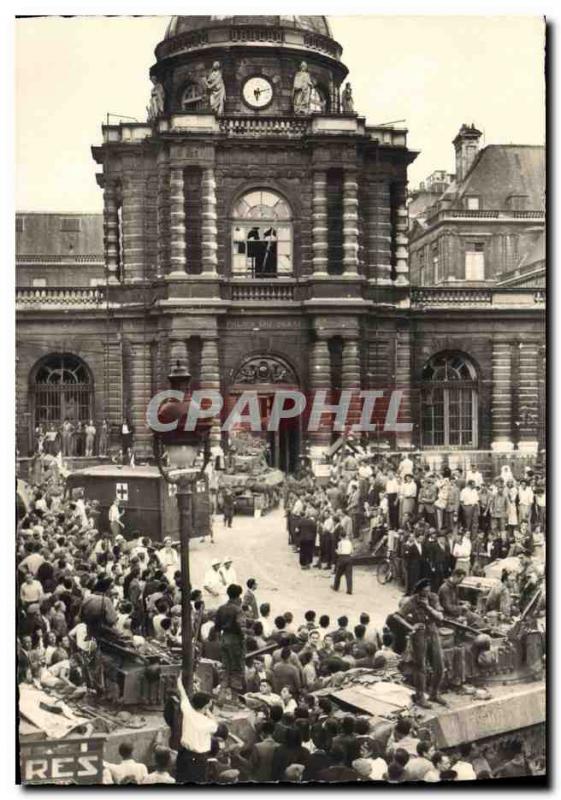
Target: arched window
[
  {"x": 449, "y": 401},
  {"x": 192, "y": 97},
  {"x": 62, "y": 388},
  {"x": 262, "y": 235}
]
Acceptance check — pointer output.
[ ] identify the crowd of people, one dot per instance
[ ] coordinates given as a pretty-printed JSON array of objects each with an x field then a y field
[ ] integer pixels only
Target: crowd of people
[
  {"x": 430, "y": 522},
  {"x": 80, "y": 585},
  {"x": 73, "y": 438}
]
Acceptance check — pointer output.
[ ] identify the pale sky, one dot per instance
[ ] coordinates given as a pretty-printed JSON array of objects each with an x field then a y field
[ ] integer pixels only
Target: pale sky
[{"x": 433, "y": 72}]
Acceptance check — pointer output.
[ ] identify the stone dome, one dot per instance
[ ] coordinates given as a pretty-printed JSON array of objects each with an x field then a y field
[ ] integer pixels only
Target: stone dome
[{"x": 315, "y": 24}]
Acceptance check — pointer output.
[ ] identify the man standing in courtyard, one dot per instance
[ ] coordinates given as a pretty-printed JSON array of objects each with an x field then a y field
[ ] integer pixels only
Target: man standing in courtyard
[{"x": 344, "y": 563}]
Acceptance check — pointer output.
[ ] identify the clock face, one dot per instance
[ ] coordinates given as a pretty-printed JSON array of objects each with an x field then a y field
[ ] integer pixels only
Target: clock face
[{"x": 257, "y": 92}]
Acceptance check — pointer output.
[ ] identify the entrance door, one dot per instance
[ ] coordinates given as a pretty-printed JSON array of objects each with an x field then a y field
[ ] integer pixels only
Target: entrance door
[{"x": 266, "y": 375}]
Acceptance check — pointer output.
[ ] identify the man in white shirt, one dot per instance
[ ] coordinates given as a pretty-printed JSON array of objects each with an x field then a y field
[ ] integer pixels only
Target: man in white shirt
[
  {"x": 418, "y": 766},
  {"x": 463, "y": 769},
  {"x": 228, "y": 576},
  {"x": 469, "y": 498},
  {"x": 162, "y": 758},
  {"x": 405, "y": 467},
  {"x": 344, "y": 563},
  {"x": 213, "y": 587},
  {"x": 473, "y": 474},
  {"x": 169, "y": 559},
  {"x": 129, "y": 770},
  {"x": 525, "y": 501},
  {"x": 407, "y": 495},
  {"x": 115, "y": 513},
  {"x": 31, "y": 590},
  {"x": 198, "y": 725},
  {"x": 32, "y": 562}
]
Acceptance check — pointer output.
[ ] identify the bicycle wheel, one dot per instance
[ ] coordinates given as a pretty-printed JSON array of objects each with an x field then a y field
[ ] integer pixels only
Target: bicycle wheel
[{"x": 384, "y": 572}]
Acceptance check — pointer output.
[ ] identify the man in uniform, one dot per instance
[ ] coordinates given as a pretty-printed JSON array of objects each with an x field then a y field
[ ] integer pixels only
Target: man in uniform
[
  {"x": 452, "y": 606},
  {"x": 422, "y": 610},
  {"x": 228, "y": 623}
]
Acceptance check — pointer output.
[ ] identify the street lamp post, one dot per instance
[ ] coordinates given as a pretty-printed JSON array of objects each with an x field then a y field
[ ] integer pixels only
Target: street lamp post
[{"x": 186, "y": 453}]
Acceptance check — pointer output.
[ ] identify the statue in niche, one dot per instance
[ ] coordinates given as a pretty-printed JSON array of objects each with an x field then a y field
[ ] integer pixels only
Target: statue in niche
[
  {"x": 302, "y": 90},
  {"x": 157, "y": 100},
  {"x": 214, "y": 86},
  {"x": 347, "y": 102}
]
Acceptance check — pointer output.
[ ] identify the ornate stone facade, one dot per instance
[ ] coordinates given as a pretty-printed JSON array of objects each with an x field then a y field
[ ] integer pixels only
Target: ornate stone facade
[{"x": 308, "y": 286}]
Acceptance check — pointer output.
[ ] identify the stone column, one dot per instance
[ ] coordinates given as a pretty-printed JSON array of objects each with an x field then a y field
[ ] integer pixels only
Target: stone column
[
  {"x": 163, "y": 218},
  {"x": 404, "y": 439},
  {"x": 528, "y": 397},
  {"x": 350, "y": 223},
  {"x": 320, "y": 378},
  {"x": 210, "y": 378},
  {"x": 209, "y": 229},
  {"x": 178, "y": 351},
  {"x": 351, "y": 378},
  {"x": 140, "y": 390},
  {"x": 379, "y": 240},
  {"x": 401, "y": 241},
  {"x": 319, "y": 222},
  {"x": 501, "y": 400},
  {"x": 178, "y": 258},
  {"x": 133, "y": 229},
  {"x": 111, "y": 232}
]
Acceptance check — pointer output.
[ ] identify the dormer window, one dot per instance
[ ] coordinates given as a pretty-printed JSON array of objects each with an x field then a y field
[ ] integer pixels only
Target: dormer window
[
  {"x": 472, "y": 203},
  {"x": 517, "y": 202}
]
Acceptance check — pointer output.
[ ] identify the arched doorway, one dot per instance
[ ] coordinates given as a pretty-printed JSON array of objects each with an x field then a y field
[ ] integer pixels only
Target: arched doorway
[
  {"x": 266, "y": 375},
  {"x": 61, "y": 387}
]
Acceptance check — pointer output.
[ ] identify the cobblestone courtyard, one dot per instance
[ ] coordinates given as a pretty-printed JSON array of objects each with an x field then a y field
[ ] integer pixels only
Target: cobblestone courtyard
[{"x": 260, "y": 550}]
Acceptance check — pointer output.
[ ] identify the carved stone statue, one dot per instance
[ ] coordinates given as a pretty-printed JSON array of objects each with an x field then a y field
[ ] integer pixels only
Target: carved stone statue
[
  {"x": 214, "y": 85},
  {"x": 347, "y": 102},
  {"x": 302, "y": 90},
  {"x": 157, "y": 100}
]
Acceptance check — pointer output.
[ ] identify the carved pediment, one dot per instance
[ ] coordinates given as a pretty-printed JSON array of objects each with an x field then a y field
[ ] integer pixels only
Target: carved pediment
[{"x": 264, "y": 370}]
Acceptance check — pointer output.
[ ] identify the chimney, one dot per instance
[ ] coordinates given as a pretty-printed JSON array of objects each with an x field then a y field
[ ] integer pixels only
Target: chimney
[{"x": 466, "y": 145}]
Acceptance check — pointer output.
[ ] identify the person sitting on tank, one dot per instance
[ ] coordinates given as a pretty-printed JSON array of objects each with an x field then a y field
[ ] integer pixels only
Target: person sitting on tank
[
  {"x": 500, "y": 597},
  {"x": 99, "y": 614},
  {"x": 453, "y": 607}
]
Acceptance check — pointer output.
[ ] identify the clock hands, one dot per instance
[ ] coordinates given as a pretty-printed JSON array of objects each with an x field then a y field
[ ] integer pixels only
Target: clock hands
[{"x": 257, "y": 92}]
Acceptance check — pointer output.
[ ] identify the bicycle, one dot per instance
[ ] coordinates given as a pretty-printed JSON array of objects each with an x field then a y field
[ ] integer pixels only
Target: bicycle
[{"x": 387, "y": 569}]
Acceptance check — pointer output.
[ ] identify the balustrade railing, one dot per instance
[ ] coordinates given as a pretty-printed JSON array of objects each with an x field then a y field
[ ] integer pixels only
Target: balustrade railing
[
  {"x": 56, "y": 297},
  {"x": 451, "y": 297},
  {"x": 461, "y": 213},
  {"x": 485, "y": 296},
  {"x": 262, "y": 291},
  {"x": 263, "y": 126}
]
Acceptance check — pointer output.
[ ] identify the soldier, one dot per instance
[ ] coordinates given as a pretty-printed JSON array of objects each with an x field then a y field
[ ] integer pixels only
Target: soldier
[
  {"x": 228, "y": 624},
  {"x": 423, "y": 611},
  {"x": 228, "y": 507}
]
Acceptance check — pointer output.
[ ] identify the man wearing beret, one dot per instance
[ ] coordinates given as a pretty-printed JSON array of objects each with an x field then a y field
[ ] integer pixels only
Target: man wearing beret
[{"x": 423, "y": 611}]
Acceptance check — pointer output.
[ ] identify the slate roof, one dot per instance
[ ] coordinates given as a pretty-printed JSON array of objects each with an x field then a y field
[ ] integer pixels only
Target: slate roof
[
  {"x": 47, "y": 234},
  {"x": 502, "y": 170}
]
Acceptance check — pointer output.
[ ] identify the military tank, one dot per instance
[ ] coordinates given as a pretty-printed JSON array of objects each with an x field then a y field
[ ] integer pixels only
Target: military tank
[
  {"x": 494, "y": 683},
  {"x": 254, "y": 485},
  {"x": 494, "y": 688}
]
